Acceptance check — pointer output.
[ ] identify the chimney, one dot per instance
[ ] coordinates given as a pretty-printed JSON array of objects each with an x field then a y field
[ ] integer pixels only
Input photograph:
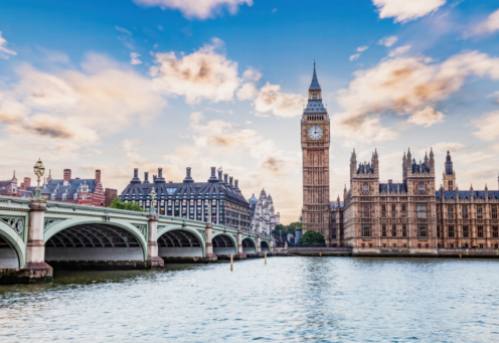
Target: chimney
[
  {"x": 220, "y": 175},
  {"x": 236, "y": 184},
  {"x": 146, "y": 177},
  {"x": 226, "y": 178},
  {"x": 231, "y": 181},
  {"x": 213, "y": 175},
  {"x": 135, "y": 173},
  {"x": 97, "y": 176},
  {"x": 67, "y": 175},
  {"x": 160, "y": 173},
  {"x": 188, "y": 177}
]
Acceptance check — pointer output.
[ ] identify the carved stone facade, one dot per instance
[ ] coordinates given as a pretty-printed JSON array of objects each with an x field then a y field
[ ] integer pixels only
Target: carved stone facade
[
  {"x": 410, "y": 217},
  {"x": 263, "y": 215},
  {"x": 315, "y": 140}
]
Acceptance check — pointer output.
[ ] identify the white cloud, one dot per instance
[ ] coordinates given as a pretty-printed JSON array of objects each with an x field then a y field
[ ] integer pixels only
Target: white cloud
[
  {"x": 77, "y": 105},
  {"x": 489, "y": 25},
  {"x": 5, "y": 52},
  {"x": 199, "y": 9},
  {"x": 203, "y": 74},
  {"x": 388, "y": 41},
  {"x": 427, "y": 117},
  {"x": 406, "y": 10},
  {"x": 487, "y": 126},
  {"x": 358, "y": 53},
  {"x": 410, "y": 86},
  {"x": 271, "y": 99},
  {"x": 135, "y": 58},
  {"x": 400, "y": 51}
]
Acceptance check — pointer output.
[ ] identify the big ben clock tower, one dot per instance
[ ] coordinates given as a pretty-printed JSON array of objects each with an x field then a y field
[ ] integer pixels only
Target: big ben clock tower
[{"x": 315, "y": 140}]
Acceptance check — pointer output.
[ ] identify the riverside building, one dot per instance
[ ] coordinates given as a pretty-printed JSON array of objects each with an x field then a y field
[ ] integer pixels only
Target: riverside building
[{"x": 218, "y": 199}]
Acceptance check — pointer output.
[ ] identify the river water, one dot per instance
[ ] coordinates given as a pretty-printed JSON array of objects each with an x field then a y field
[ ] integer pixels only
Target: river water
[{"x": 291, "y": 299}]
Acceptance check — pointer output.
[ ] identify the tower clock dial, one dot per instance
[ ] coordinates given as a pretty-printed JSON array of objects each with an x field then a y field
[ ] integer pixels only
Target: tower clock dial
[{"x": 315, "y": 132}]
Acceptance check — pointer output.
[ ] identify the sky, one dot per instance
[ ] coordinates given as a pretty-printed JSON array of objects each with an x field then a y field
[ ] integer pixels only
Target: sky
[{"x": 121, "y": 84}]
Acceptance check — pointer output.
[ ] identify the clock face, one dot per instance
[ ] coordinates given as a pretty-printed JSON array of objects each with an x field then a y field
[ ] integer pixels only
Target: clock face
[{"x": 315, "y": 132}]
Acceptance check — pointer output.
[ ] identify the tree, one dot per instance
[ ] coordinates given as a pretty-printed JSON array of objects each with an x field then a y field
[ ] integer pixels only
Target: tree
[
  {"x": 312, "y": 239},
  {"x": 122, "y": 205}
]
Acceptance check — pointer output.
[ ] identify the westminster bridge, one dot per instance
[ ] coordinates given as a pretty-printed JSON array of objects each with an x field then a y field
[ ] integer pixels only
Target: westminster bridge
[{"x": 35, "y": 234}]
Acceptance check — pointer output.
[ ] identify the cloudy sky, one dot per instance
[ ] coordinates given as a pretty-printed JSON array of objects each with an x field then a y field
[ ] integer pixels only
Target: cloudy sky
[{"x": 200, "y": 83}]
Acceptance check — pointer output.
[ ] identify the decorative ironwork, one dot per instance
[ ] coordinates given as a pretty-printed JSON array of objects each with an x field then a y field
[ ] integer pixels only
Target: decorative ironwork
[
  {"x": 16, "y": 223},
  {"x": 142, "y": 228},
  {"x": 49, "y": 221}
]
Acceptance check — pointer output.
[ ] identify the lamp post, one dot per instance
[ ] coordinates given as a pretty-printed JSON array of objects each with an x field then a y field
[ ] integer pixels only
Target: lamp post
[
  {"x": 39, "y": 170},
  {"x": 153, "y": 200}
]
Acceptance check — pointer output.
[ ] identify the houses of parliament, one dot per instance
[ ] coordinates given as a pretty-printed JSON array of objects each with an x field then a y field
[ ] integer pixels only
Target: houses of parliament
[{"x": 410, "y": 217}]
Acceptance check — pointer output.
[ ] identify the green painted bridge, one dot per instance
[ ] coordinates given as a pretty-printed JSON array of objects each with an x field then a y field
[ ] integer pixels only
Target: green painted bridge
[{"x": 35, "y": 234}]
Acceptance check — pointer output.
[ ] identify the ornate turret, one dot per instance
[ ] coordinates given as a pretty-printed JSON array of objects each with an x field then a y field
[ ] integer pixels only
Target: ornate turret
[
  {"x": 449, "y": 177},
  {"x": 314, "y": 104},
  {"x": 353, "y": 163}
]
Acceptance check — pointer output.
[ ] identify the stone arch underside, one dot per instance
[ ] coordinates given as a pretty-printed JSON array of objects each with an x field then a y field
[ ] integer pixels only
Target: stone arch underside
[
  {"x": 264, "y": 246},
  {"x": 8, "y": 255},
  {"x": 180, "y": 243},
  {"x": 94, "y": 242},
  {"x": 223, "y": 245},
  {"x": 249, "y": 246}
]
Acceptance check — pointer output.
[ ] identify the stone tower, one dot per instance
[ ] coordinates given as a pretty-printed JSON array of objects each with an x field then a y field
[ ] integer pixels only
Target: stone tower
[
  {"x": 449, "y": 177},
  {"x": 315, "y": 140}
]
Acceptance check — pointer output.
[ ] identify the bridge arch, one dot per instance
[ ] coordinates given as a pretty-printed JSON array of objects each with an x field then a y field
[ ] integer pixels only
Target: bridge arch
[
  {"x": 249, "y": 246},
  {"x": 264, "y": 246},
  {"x": 12, "y": 252},
  {"x": 224, "y": 244},
  {"x": 95, "y": 241},
  {"x": 176, "y": 241}
]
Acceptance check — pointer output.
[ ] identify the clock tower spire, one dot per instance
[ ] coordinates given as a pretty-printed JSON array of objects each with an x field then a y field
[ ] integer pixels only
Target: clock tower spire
[{"x": 315, "y": 141}]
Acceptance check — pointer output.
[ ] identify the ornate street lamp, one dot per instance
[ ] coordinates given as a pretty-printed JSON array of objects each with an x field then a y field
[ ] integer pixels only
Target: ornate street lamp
[
  {"x": 153, "y": 200},
  {"x": 39, "y": 170}
]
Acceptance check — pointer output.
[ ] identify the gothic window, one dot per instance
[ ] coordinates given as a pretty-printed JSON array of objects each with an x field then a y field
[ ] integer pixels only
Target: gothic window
[
  {"x": 450, "y": 231},
  {"x": 465, "y": 211},
  {"x": 421, "y": 211},
  {"x": 422, "y": 231},
  {"x": 479, "y": 212},
  {"x": 480, "y": 231},
  {"x": 383, "y": 211},
  {"x": 466, "y": 231},
  {"x": 365, "y": 211},
  {"x": 366, "y": 230},
  {"x": 394, "y": 210},
  {"x": 383, "y": 231},
  {"x": 365, "y": 188},
  {"x": 404, "y": 231},
  {"x": 421, "y": 187},
  {"x": 494, "y": 212},
  {"x": 495, "y": 231},
  {"x": 450, "y": 211},
  {"x": 394, "y": 230}
]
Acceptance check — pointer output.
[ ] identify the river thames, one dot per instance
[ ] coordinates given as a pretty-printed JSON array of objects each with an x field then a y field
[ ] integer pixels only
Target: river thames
[{"x": 293, "y": 299}]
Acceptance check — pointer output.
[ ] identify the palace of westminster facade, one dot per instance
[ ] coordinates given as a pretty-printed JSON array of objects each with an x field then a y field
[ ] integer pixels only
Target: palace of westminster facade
[{"x": 410, "y": 217}]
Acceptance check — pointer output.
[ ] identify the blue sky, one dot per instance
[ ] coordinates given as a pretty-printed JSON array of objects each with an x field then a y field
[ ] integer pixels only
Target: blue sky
[{"x": 167, "y": 83}]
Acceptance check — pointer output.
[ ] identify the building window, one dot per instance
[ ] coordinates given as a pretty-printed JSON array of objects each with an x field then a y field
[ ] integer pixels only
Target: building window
[
  {"x": 465, "y": 211},
  {"x": 404, "y": 210},
  {"x": 383, "y": 211},
  {"x": 450, "y": 211},
  {"x": 404, "y": 231},
  {"x": 365, "y": 188},
  {"x": 394, "y": 230},
  {"x": 383, "y": 230},
  {"x": 480, "y": 231},
  {"x": 479, "y": 212},
  {"x": 422, "y": 231},
  {"x": 365, "y": 211},
  {"x": 394, "y": 210},
  {"x": 450, "y": 231},
  {"x": 421, "y": 211},
  {"x": 495, "y": 231},
  {"x": 494, "y": 212},
  {"x": 366, "y": 230},
  {"x": 466, "y": 231},
  {"x": 421, "y": 187}
]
